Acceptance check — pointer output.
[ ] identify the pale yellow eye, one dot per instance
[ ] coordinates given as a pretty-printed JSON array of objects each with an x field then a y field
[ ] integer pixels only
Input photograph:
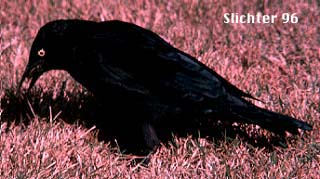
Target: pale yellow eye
[{"x": 42, "y": 52}]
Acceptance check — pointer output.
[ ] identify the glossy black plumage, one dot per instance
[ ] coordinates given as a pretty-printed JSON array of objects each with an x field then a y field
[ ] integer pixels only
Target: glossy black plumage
[{"x": 143, "y": 82}]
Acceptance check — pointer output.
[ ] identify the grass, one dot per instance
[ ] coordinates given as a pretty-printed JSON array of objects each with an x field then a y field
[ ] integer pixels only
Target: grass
[{"x": 53, "y": 136}]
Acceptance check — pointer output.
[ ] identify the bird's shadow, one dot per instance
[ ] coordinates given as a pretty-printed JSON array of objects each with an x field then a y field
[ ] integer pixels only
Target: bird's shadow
[{"x": 83, "y": 108}]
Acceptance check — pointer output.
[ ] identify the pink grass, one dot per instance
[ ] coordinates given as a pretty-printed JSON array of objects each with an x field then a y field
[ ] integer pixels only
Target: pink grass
[{"x": 278, "y": 63}]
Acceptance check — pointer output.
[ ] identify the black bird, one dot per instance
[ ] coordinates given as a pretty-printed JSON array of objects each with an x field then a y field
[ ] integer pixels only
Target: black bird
[{"x": 145, "y": 85}]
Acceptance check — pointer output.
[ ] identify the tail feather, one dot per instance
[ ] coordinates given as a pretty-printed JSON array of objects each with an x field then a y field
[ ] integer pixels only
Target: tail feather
[{"x": 272, "y": 121}]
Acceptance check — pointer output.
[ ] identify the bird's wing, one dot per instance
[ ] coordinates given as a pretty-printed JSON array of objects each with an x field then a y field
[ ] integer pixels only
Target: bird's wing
[
  {"x": 191, "y": 79},
  {"x": 148, "y": 62},
  {"x": 201, "y": 78}
]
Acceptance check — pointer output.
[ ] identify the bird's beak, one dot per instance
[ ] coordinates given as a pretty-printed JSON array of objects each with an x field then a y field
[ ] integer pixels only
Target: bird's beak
[{"x": 32, "y": 73}]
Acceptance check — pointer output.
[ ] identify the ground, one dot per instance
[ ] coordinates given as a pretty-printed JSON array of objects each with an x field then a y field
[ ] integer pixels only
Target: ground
[{"x": 278, "y": 63}]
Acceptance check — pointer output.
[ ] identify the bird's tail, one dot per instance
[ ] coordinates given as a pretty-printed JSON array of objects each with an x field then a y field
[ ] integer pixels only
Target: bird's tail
[{"x": 272, "y": 121}]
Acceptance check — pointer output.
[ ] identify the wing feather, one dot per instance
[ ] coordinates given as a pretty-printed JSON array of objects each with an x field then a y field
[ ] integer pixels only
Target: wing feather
[{"x": 156, "y": 66}]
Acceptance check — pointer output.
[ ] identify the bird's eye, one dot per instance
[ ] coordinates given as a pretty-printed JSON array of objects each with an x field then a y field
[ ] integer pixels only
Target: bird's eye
[{"x": 42, "y": 52}]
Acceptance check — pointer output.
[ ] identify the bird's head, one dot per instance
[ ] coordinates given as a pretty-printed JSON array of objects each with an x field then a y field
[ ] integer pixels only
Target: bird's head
[{"x": 50, "y": 50}]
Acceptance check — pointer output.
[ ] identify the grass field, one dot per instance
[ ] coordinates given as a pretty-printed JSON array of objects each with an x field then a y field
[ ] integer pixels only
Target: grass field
[{"x": 278, "y": 63}]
